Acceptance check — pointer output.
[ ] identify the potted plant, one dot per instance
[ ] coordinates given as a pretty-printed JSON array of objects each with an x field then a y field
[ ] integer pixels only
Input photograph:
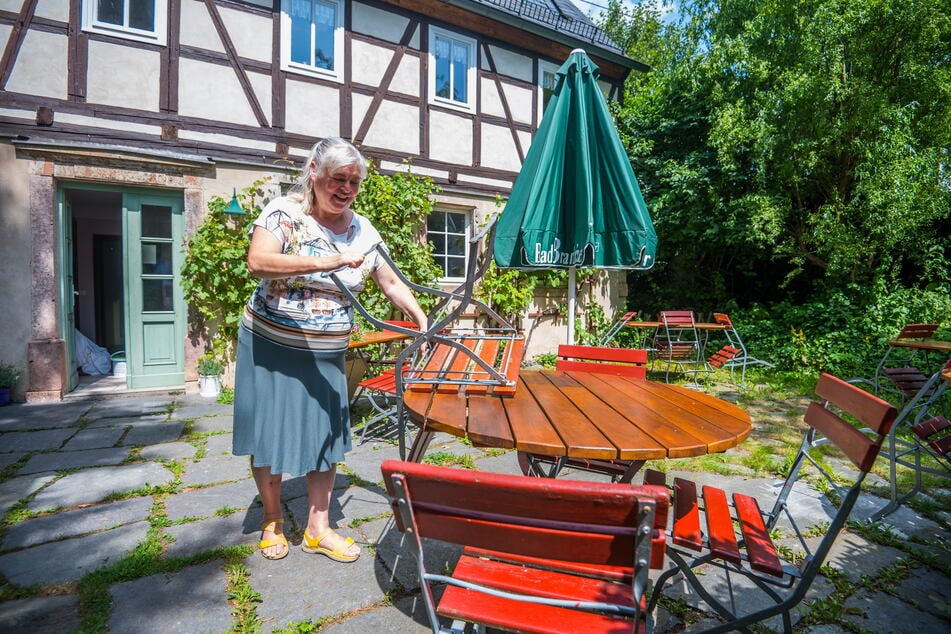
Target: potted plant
[
  {"x": 209, "y": 375},
  {"x": 9, "y": 376}
]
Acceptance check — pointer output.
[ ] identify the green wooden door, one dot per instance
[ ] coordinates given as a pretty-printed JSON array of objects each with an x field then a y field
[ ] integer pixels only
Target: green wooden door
[
  {"x": 152, "y": 230},
  {"x": 68, "y": 291}
]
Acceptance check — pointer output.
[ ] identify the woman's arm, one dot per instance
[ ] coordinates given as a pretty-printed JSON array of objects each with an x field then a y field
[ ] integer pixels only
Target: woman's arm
[
  {"x": 398, "y": 293},
  {"x": 266, "y": 262}
]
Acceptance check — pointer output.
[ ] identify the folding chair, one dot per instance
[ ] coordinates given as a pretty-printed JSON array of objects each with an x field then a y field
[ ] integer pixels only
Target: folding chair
[
  {"x": 919, "y": 441},
  {"x": 449, "y": 354},
  {"x": 677, "y": 342},
  {"x": 615, "y": 328},
  {"x": 753, "y": 555},
  {"x": 895, "y": 372},
  {"x": 600, "y": 360},
  {"x": 743, "y": 358},
  {"x": 538, "y": 556},
  {"x": 722, "y": 358}
]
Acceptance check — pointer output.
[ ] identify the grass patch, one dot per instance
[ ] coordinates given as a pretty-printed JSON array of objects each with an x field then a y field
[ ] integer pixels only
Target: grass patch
[{"x": 447, "y": 459}]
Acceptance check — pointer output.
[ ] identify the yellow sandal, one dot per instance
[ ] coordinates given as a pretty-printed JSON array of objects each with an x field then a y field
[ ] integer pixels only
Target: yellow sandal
[
  {"x": 338, "y": 553},
  {"x": 278, "y": 540}
]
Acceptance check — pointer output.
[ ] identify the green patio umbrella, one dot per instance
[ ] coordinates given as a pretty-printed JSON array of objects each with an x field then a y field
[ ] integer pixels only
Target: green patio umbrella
[{"x": 575, "y": 202}]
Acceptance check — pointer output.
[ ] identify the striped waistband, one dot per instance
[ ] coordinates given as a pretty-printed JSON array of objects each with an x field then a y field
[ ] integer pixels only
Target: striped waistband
[{"x": 294, "y": 337}]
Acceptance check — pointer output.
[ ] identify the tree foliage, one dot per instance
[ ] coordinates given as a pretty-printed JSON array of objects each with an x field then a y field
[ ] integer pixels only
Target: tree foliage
[{"x": 793, "y": 154}]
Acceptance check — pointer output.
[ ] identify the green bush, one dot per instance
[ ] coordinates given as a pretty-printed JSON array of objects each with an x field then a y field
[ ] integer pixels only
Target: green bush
[{"x": 9, "y": 375}]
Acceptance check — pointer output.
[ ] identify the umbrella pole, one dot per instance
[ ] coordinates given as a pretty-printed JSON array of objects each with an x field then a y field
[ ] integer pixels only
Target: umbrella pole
[{"x": 572, "y": 292}]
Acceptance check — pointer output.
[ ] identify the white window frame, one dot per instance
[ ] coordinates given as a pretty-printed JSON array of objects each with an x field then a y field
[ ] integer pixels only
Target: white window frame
[
  {"x": 471, "y": 72},
  {"x": 335, "y": 74},
  {"x": 544, "y": 67},
  {"x": 440, "y": 258},
  {"x": 159, "y": 35}
]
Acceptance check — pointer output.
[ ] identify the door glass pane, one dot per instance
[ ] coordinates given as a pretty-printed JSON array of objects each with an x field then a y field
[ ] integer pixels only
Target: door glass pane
[
  {"x": 157, "y": 295},
  {"x": 156, "y": 258},
  {"x": 142, "y": 14},
  {"x": 156, "y": 221},
  {"x": 109, "y": 11}
]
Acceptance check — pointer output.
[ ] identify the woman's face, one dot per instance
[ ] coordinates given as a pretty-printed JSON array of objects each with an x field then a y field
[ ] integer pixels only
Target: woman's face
[{"x": 335, "y": 192}]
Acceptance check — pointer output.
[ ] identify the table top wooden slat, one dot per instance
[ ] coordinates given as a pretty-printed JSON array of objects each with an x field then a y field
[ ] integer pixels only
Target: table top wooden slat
[
  {"x": 628, "y": 441},
  {"x": 586, "y": 415},
  {"x": 571, "y": 419},
  {"x": 927, "y": 344},
  {"x": 488, "y": 425},
  {"x": 658, "y": 324}
]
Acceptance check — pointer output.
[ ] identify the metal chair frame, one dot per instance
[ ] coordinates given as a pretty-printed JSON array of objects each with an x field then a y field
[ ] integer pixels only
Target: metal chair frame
[
  {"x": 897, "y": 362},
  {"x": 677, "y": 342},
  {"x": 743, "y": 359}
]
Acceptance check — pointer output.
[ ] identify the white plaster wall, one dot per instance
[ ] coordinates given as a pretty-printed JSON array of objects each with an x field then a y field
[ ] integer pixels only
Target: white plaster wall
[
  {"x": 40, "y": 68},
  {"x": 311, "y": 109},
  {"x": 395, "y": 126},
  {"x": 250, "y": 33},
  {"x": 123, "y": 76},
  {"x": 219, "y": 95},
  {"x": 406, "y": 78},
  {"x": 450, "y": 138},
  {"x": 381, "y": 24},
  {"x": 511, "y": 64},
  {"x": 198, "y": 29},
  {"x": 369, "y": 62},
  {"x": 519, "y": 100},
  {"x": 498, "y": 148},
  {"x": 51, "y": 9},
  {"x": 16, "y": 238}
]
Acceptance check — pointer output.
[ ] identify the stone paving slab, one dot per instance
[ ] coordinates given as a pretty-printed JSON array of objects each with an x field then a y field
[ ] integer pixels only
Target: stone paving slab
[
  {"x": 126, "y": 421},
  {"x": 7, "y": 459},
  {"x": 78, "y": 522},
  {"x": 218, "y": 422},
  {"x": 62, "y": 460},
  {"x": 15, "y": 489},
  {"x": 855, "y": 556},
  {"x": 920, "y": 589},
  {"x": 883, "y": 613},
  {"x": 242, "y": 528},
  {"x": 205, "y": 501},
  {"x": 43, "y": 440},
  {"x": 306, "y": 586},
  {"x": 406, "y": 615},
  {"x": 41, "y": 615},
  {"x": 70, "y": 559},
  {"x": 97, "y": 438},
  {"x": 41, "y": 415},
  {"x": 93, "y": 485},
  {"x": 168, "y": 451},
  {"x": 219, "y": 446},
  {"x": 125, "y": 407},
  {"x": 191, "y": 600},
  {"x": 216, "y": 469},
  {"x": 193, "y": 407},
  {"x": 153, "y": 432}
]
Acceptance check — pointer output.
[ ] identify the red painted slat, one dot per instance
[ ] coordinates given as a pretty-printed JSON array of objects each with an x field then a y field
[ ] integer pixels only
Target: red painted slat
[
  {"x": 686, "y": 515},
  {"x": 759, "y": 547},
  {"x": 720, "y": 525}
]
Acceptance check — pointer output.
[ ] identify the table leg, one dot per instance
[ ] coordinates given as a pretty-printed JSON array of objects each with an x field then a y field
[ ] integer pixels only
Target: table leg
[{"x": 420, "y": 445}]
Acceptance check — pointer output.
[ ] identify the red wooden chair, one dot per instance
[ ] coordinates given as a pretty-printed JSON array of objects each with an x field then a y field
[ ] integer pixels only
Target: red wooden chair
[
  {"x": 742, "y": 359},
  {"x": 677, "y": 342},
  {"x": 539, "y": 555},
  {"x": 920, "y": 440},
  {"x": 752, "y": 553},
  {"x": 895, "y": 372},
  {"x": 619, "y": 361}
]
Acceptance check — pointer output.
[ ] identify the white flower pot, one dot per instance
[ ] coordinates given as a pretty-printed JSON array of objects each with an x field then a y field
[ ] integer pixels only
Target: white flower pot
[{"x": 209, "y": 386}]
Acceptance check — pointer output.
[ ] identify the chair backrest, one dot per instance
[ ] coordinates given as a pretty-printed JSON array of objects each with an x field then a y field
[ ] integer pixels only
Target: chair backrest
[
  {"x": 569, "y": 520},
  {"x": 678, "y": 318},
  {"x": 619, "y": 361},
  {"x": 874, "y": 413},
  {"x": 723, "y": 319},
  {"x": 917, "y": 331}
]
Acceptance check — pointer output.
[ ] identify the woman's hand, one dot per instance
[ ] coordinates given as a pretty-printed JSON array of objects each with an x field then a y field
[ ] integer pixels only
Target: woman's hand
[{"x": 352, "y": 259}]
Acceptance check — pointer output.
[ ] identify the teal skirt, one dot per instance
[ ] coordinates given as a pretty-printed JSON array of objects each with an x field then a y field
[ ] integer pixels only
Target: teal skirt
[{"x": 291, "y": 411}]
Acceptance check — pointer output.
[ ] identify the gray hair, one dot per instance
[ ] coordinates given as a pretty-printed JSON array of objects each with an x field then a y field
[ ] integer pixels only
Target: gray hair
[{"x": 327, "y": 155}]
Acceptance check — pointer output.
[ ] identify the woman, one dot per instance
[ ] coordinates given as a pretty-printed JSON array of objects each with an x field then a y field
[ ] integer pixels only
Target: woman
[{"x": 291, "y": 412}]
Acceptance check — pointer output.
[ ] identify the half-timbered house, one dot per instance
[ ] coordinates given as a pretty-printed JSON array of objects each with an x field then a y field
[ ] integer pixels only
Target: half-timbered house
[{"x": 120, "y": 119}]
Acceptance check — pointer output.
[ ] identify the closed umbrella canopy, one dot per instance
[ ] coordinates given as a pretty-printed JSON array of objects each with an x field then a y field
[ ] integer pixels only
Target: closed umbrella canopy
[{"x": 576, "y": 201}]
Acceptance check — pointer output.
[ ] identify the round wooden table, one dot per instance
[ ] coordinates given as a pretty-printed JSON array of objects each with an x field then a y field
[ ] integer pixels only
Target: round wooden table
[{"x": 582, "y": 415}]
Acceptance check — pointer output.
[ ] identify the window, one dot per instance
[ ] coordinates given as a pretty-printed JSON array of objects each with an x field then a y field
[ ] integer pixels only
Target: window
[
  {"x": 547, "y": 79},
  {"x": 452, "y": 70},
  {"x": 448, "y": 233},
  {"x": 142, "y": 20},
  {"x": 312, "y": 36}
]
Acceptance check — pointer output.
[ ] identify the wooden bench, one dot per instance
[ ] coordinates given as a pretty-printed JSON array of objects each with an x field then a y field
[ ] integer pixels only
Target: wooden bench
[
  {"x": 539, "y": 555},
  {"x": 734, "y": 534}
]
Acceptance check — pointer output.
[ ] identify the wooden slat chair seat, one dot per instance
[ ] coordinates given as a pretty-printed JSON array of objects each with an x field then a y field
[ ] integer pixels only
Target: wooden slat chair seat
[
  {"x": 723, "y": 356},
  {"x": 742, "y": 359},
  {"x": 920, "y": 440},
  {"x": 538, "y": 556},
  {"x": 447, "y": 368},
  {"x": 732, "y": 532},
  {"x": 600, "y": 360}
]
